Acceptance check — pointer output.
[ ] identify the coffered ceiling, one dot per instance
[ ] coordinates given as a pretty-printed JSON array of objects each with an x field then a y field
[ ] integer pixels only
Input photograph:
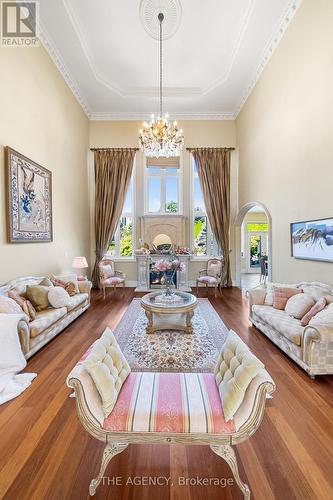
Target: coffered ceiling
[{"x": 214, "y": 52}]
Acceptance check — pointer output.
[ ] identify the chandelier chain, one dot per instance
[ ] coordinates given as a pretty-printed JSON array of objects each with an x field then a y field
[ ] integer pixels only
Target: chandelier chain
[{"x": 161, "y": 70}]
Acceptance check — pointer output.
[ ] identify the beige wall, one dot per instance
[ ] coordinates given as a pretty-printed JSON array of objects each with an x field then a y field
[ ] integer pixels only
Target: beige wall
[
  {"x": 197, "y": 133},
  {"x": 40, "y": 118},
  {"x": 284, "y": 133}
]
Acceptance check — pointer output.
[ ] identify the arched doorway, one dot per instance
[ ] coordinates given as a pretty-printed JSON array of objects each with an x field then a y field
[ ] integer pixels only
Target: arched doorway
[{"x": 253, "y": 238}]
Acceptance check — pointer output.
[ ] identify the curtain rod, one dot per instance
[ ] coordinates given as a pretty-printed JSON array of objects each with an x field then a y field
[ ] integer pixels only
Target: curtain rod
[
  {"x": 207, "y": 147},
  {"x": 113, "y": 149}
]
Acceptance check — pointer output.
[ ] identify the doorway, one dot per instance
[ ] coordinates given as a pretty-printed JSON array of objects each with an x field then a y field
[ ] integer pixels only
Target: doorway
[{"x": 253, "y": 246}]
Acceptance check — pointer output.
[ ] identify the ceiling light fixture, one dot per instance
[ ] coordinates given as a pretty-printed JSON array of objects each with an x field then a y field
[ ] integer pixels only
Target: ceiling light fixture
[{"x": 160, "y": 137}]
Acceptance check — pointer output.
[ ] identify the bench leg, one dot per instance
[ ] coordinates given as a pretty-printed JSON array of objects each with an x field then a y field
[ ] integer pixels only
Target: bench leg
[
  {"x": 110, "y": 451},
  {"x": 227, "y": 453}
]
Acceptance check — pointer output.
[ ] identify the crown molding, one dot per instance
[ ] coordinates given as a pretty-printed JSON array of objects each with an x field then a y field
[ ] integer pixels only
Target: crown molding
[
  {"x": 53, "y": 52},
  {"x": 269, "y": 50},
  {"x": 124, "y": 116}
]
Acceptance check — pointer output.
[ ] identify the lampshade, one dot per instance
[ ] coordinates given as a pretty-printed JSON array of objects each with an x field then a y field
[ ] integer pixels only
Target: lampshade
[{"x": 79, "y": 263}]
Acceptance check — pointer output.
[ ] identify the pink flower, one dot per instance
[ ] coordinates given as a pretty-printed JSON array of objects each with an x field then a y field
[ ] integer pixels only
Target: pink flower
[
  {"x": 182, "y": 266},
  {"x": 161, "y": 265}
]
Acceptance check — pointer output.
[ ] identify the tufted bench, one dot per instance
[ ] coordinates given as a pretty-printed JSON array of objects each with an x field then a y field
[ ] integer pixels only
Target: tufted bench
[{"x": 120, "y": 407}]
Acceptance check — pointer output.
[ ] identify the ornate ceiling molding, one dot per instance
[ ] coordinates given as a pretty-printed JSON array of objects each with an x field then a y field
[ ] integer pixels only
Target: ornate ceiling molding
[
  {"x": 51, "y": 48},
  {"x": 269, "y": 50},
  {"x": 218, "y": 115}
]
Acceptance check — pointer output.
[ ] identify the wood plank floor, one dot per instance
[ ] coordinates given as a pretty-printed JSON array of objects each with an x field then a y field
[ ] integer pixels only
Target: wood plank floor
[{"x": 46, "y": 454}]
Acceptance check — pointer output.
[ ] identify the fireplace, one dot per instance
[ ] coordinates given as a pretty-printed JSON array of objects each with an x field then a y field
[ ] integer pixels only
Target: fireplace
[
  {"x": 155, "y": 277},
  {"x": 146, "y": 277}
]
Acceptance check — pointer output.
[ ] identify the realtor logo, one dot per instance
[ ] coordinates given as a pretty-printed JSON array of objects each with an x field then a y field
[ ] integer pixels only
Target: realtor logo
[{"x": 19, "y": 24}]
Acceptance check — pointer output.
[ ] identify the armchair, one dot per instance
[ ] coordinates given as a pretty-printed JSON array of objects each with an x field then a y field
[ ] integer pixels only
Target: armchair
[
  {"x": 109, "y": 277},
  {"x": 211, "y": 275}
]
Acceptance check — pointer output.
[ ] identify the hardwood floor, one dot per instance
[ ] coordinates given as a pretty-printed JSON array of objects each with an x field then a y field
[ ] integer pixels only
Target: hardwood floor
[{"x": 46, "y": 454}]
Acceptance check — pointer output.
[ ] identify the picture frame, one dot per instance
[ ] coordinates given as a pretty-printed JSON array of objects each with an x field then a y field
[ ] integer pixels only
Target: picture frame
[
  {"x": 29, "y": 199},
  {"x": 312, "y": 239}
]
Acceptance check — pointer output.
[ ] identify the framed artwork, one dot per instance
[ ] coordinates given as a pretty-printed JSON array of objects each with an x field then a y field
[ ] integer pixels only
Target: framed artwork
[
  {"x": 312, "y": 240},
  {"x": 29, "y": 199}
]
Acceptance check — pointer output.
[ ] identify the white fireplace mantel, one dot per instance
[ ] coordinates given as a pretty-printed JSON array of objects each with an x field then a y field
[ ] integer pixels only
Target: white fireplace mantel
[{"x": 171, "y": 225}]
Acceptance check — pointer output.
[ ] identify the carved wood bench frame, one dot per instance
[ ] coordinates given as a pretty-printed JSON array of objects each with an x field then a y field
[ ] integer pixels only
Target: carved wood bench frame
[{"x": 221, "y": 444}]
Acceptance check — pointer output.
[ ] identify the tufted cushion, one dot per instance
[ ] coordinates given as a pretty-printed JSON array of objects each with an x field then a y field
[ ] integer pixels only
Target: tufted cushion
[
  {"x": 235, "y": 369},
  {"x": 58, "y": 297},
  {"x": 298, "y": 305},
  {"x": 207, "y": 279},
  {"x": 108, "y": 368},
  {"x": 77, "y": 300}
]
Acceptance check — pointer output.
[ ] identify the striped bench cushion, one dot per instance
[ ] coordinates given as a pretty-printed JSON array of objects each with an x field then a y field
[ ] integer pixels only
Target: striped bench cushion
[{"x": 169, "y": 402}]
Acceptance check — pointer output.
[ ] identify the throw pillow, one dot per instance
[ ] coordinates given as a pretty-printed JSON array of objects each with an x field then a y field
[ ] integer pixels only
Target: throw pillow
[
  {"x": 46, "y": 282},
  {"x": 66, "y": 278},
  {"x": 37, "y": 294},
  {"x": 324, "y": 317},
  {"x": 298, "y": 305},
  {"x": 319, "y": 306},
  {"x": 106, "y": 271},
  {"x": 108, "y": 368},
  {"x": 70, "y": 287},
  {"x": 235, "y": 369},
  {"x": 269, "y": 298},
  {"x": 58, "y": 297},
  {"x": 281, "y": 296},
  {"x": 25, "y": 304},
  {"x": 8, "y": 305},
  {"x": 316, "y": 292}
]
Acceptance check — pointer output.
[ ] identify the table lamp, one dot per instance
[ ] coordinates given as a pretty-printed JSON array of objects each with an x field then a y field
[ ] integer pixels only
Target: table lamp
[{"x": 80, "y": 263}]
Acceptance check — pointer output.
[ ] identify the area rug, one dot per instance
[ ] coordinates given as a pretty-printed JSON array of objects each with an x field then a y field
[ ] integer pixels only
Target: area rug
[{"x": 170, "y": 350}]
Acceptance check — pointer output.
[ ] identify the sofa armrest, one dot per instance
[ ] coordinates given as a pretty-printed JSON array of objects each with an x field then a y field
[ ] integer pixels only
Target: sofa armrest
[
  {"x": 24, "y": 335},
  {"x": 256, "y": 296},
  {"x": 85, "y": 287},
  {"x": 319, "y": 333}
]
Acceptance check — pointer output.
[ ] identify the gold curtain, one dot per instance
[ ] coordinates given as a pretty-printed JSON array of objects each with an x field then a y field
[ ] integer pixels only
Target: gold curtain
[
  {"x": 113, "y": 171},
  {"x": 214, "y": 173}
]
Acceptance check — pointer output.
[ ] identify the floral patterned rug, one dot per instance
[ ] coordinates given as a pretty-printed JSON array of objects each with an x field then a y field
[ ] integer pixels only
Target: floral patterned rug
[{"x": 170, "y": 350}]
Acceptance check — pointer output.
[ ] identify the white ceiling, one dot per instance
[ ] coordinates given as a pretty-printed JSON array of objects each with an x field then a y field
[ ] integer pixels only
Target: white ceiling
[{"x": 211, "y": 63}]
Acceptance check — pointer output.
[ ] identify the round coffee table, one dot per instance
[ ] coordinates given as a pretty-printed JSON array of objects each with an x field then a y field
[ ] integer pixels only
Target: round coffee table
[{"x": 164, "y": 315}]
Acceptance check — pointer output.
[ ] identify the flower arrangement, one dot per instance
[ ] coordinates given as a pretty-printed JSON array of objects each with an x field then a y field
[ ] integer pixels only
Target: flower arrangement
[{"x": 169, "y": 268}]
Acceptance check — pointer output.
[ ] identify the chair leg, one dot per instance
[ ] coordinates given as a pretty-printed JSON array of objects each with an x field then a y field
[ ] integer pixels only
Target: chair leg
[
  {"x": 104, "y": 292},
  {"x": 110, "y": 451},
  {"x": 215, "y": 286},
  {"x": 197, "y": 288},
  {"x": 227, "y": 453}
]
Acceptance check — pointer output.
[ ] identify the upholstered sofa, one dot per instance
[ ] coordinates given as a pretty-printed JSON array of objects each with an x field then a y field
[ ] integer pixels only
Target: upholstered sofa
[
  {"x": 311, "y": 346},
  {"x": 49, "y": 322},
  {"x": 167, "y": 408}
]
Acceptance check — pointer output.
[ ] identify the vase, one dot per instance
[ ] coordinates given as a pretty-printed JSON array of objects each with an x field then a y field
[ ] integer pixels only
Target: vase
[{"x": 168, "y": 284}]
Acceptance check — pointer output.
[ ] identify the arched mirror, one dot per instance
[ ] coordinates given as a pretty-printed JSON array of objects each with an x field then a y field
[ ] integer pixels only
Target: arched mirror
[{"x": 162, "y": 242}]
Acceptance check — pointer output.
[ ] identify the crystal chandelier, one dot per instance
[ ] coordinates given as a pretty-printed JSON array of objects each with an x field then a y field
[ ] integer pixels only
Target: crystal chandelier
[{"x": 160, "y": 137}]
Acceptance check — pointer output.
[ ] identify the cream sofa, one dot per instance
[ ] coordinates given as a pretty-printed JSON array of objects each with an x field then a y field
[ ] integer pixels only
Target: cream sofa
[
  {"x": 48, "y": 323},
  {"x": 312, "y": 346}
]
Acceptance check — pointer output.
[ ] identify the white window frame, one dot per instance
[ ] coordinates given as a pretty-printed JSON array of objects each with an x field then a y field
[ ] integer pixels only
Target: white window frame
[
  {"x": 210, "y": 235},
  {"x": 163, "y": 174},
  {"x": 117, "y": 255}
]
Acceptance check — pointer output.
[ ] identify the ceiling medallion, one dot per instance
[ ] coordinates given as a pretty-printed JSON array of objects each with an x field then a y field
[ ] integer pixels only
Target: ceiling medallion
[
  {"x": 149, "y": 10},
  {"x": 160, "y": 137}
]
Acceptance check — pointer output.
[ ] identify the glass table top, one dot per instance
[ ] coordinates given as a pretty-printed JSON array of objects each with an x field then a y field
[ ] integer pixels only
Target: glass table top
[{"x": 179, "y": 299}]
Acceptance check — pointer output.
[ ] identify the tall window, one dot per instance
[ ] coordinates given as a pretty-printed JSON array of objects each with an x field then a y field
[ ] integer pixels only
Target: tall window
[
  {"x": 204, "y": 243},
  {"x": 162, "y": 186},
  {"x": 122, "y": 243}
]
